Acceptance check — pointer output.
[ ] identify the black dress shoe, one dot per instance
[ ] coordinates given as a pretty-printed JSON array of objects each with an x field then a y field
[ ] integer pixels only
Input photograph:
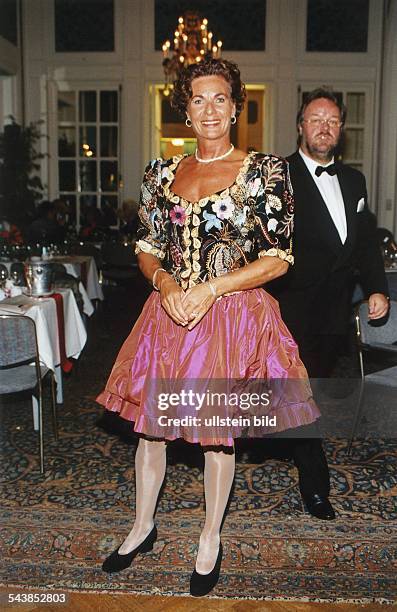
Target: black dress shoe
[
  {"x": 320, "y": 507},
  {"x": 116, "y": 562},
  {"x": 201, "y": 584}
]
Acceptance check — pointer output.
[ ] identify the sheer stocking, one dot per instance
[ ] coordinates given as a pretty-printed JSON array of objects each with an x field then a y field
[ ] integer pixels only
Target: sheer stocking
[
  {"x": 150, "y": 465},
  {"x": 218, "y": 479}
]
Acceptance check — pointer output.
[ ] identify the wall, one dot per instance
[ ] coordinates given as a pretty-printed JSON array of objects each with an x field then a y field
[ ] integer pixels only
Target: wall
[{"x": 284, "y": 67}]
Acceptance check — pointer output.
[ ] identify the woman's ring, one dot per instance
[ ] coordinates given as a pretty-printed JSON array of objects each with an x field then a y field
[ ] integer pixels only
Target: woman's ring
[{"x": 195, "y": 314}]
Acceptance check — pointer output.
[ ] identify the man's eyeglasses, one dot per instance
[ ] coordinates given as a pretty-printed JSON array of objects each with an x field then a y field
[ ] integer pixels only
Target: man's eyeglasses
[{"x": 317, "y": 122}]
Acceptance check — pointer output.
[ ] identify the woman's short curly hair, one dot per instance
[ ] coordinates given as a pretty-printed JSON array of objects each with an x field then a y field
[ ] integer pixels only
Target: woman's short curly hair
[{"x": 220, "y": 67}]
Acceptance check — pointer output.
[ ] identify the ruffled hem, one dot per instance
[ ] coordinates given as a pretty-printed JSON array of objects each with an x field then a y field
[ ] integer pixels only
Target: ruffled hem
[{"x": 220, "y": 435}]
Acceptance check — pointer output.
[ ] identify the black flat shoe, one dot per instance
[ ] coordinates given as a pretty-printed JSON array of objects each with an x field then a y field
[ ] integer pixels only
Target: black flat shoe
[
  {"x": 116, "y": 562},
  {"x": 201, "y": 584},
  {"x": 320, "y": 507}
]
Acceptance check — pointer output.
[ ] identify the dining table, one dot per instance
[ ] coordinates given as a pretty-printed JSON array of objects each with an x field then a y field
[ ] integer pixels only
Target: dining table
[
  {"x": 74, "y": 269},
  {"x": 61, "y": 334},
  {"x": 85, "y": 268}
]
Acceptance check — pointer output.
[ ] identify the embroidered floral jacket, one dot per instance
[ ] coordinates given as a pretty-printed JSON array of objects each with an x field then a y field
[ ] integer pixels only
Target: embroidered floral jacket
[{"x": 223, "y": 231}]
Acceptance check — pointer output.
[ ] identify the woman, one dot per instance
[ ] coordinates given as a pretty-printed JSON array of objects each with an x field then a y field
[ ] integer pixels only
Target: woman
[{"x": 215, "y": 226}]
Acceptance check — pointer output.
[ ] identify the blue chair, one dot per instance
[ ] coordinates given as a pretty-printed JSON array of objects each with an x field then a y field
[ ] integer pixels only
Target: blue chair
[
  {"x": 19, "y": 350},
  {"x": 371, "y": 337}
]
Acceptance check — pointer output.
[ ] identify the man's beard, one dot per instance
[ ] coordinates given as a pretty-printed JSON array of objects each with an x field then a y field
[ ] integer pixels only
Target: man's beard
[{"x": 324, "y": 154}]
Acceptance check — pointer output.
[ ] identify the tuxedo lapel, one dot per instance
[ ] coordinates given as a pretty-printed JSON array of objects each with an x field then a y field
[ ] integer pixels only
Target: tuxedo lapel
[{"x": 309, "y": 198}]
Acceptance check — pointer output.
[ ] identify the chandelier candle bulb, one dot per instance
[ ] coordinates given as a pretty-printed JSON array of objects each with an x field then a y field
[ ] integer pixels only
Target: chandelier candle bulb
[{"x": 192, "y": 43}]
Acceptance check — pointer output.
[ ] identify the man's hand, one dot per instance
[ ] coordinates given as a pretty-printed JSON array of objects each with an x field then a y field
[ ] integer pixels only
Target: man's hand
[{"x": 378, "y": 305}]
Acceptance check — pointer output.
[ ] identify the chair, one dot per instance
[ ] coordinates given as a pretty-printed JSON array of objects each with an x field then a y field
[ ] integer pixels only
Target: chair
[
  {"x": 371, "y": 337},
  {"x": 84, "y": 248},
  {"x": 120, "y": 262},
  {"x": 19, "y": 351},
  {"x": 61, "y": 279}
]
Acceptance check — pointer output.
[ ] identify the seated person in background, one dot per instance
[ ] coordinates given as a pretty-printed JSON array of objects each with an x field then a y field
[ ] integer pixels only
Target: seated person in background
[
  {"x": 92, "y": 223},
  {"x": 128, "y": 214},
  {"x": 46, "y": 228},
  {"x": 62, "y": 212}
]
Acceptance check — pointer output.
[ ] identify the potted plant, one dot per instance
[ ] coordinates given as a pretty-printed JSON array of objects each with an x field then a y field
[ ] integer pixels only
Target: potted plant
[{"x": 20, "y": 185}]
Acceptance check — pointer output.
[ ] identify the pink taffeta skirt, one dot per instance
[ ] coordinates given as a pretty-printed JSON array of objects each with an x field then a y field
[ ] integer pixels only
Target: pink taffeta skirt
[{"x": 240, "y": 350}]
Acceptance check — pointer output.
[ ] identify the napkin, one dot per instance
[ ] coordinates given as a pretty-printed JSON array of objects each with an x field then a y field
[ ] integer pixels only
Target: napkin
[{"x": 12, "y": 290}]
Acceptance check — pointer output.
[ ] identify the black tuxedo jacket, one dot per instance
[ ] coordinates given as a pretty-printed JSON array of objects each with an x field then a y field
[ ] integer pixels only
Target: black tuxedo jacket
[{"x": 315, "y": 294}]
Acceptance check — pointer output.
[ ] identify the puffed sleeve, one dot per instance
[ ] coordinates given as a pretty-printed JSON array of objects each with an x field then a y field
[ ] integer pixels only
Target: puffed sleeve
[
  {"x": 274, "y": 209},
  {"x": 151, "y": 234}
]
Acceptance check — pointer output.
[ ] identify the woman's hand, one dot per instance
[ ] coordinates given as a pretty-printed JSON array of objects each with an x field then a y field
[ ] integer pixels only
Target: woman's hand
[
  {"x": 171, "y": 299},
  {"x": 196, "y": 302}
]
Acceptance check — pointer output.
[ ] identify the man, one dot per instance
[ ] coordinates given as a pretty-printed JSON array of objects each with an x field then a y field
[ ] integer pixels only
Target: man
[{"x": 334, "y": 236}]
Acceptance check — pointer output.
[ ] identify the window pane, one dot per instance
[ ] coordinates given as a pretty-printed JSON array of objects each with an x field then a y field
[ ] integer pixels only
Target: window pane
[
  {"x": 353, "y": 144},
  {"x": 66, "y": 106},
  {"x": 87, "y": 141},
  {"x": 355, "y": 103},
  {"x": 66, "y": 142},
  {"x": 87, "y": 106},
  {"x": 8, "y": 21},
  {"x": 87, "y": 176},
  {"x": 109, "y": 206},
  {"x": 67, "y": 176},
  {"x": 108, "y": 106},
  {"x": 109, "y": 176},
  {"x": 84, "y": 25},
  {"x": 241, "y": 25},
  {"x": 108, "y": 142},
  {"x": 337, "y": 25}
]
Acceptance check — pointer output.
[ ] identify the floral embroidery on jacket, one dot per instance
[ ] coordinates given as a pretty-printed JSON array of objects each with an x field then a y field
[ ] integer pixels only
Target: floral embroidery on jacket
[{"x": 222, "y": 232}]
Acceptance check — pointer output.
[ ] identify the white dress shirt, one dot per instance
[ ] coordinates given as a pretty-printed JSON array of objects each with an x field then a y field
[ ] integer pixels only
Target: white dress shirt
[{"x": 331, "y": 193}]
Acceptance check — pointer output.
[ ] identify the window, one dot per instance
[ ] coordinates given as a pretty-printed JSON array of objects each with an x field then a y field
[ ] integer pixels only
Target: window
[
  {"x": 88, "y": 166},
  {"x": 353, "y": 148},
  {"x": 84, "y": 26},
  {"x": 8, "y": 21},
  {"x": 337, "y": 26},
  {"x": 224, "y": 20}
]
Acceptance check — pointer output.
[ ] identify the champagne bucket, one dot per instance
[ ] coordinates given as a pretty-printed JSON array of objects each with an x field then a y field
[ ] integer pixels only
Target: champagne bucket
[{"x": 38, "y": 277}]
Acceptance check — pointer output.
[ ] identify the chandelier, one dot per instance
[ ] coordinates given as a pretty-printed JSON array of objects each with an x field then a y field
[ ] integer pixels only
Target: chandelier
[{"x": 192, "y": 43}]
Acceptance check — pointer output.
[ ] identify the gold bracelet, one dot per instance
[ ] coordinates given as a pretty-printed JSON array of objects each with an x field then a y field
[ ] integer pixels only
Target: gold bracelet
[{"x": 154, "y": 277}]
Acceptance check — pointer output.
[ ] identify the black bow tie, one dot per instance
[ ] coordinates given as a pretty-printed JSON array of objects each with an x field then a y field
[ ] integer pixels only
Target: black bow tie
[{"x": 331, "y": 169}]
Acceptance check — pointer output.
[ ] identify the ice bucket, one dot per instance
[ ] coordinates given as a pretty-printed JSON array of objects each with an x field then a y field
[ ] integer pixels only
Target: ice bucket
[{"x": 38, "y": 277}]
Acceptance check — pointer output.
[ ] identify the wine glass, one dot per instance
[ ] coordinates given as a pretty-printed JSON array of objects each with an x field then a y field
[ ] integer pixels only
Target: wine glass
[{"x": 3, "y": 275}]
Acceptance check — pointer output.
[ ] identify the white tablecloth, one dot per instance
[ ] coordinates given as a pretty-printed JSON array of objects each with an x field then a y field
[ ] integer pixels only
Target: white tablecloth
[
  {"x": 88, "y": 308},
  {"x": 43, "y": 312},
  {"x": 72, "y": 264}
]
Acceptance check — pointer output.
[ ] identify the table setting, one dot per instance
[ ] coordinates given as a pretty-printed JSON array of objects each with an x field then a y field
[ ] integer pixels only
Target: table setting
[
  {"x": 14, "y": 276},
  {"x": 61, "y": 333}
]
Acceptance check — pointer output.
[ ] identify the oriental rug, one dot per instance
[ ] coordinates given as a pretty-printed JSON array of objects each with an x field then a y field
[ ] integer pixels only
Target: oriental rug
[{"x": 56, "y": 529}]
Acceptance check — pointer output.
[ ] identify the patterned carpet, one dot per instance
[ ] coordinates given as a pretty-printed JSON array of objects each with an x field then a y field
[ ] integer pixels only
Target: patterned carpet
[{"x": 57, "y": 528}]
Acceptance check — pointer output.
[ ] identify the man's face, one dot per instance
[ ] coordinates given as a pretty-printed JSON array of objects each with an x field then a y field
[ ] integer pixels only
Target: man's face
[{"x": 320, "y": 129}]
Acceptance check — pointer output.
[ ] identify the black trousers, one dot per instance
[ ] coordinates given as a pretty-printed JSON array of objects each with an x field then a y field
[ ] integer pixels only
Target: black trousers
[{"x": 319, "y": 354}]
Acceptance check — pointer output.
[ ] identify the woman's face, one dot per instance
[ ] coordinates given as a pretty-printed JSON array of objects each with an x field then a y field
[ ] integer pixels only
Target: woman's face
[{"x": 211, "y": 107}]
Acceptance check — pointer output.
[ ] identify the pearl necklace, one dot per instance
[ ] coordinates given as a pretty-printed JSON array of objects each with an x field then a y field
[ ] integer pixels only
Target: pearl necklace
[{"x": 212, "y": 159}]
